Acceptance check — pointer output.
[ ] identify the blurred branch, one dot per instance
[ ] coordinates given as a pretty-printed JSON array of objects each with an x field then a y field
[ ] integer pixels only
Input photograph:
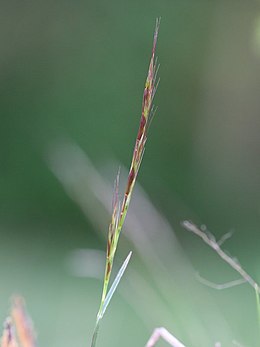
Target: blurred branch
[
  {"x": 165, "y": 335},
  {"x": 220, "y": 286},
  {"x": 169, "y": 338},
  {"x": 225, "y": 237},
  {"x": 209, "y": 240}
]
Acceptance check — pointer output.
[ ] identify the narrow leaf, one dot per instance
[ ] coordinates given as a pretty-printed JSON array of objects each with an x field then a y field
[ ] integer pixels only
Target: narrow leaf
[{"x": 115, "y": 284}]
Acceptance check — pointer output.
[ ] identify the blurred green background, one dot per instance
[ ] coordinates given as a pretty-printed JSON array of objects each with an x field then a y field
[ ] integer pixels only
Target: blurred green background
[{"x": 74, "y": 71}]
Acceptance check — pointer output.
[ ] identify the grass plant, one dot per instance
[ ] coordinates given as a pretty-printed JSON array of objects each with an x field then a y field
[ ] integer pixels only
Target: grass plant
[{"x": 120, "y": 209}]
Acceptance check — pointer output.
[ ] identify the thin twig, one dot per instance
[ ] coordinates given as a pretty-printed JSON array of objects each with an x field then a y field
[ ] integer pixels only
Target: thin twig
[
  {"x": 220, "y": 286},
  {"x": 216, "y": 247},
  {"x": 225, "y": 237}
]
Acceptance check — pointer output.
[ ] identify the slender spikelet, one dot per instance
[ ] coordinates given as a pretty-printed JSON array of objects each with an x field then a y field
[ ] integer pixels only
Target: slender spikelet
[
  {"x": 8, "y": 338},
  {"x": 120, "y": 210},
  {"x": 113, "y": 227},
  {"x": 23, "y": 323},
  {"x": 147, "y": 113}
]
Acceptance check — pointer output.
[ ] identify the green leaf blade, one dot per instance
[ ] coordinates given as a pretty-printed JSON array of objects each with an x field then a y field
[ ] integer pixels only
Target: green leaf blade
[{"x": 115, "y": 284}]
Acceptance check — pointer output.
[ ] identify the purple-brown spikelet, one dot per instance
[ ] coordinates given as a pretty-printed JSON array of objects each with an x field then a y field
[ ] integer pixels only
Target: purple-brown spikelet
[{"x": 147, "y": 113}]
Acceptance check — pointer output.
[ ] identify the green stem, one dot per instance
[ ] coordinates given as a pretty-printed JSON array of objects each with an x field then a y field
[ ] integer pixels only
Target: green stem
[
  {"x": 258, "y": 305},
  {"x": 94, "y": 337}
]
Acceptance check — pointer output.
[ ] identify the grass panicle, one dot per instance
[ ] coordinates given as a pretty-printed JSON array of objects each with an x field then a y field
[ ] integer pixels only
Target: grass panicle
[{"x": 120, "y": 209}]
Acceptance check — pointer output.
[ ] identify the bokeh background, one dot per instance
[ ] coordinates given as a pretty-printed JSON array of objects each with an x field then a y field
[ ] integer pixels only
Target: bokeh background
[{"x": 72, "y": 77}]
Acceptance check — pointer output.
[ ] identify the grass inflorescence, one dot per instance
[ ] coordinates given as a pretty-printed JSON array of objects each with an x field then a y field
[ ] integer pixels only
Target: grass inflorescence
[{"x": 120, "y": 208}]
